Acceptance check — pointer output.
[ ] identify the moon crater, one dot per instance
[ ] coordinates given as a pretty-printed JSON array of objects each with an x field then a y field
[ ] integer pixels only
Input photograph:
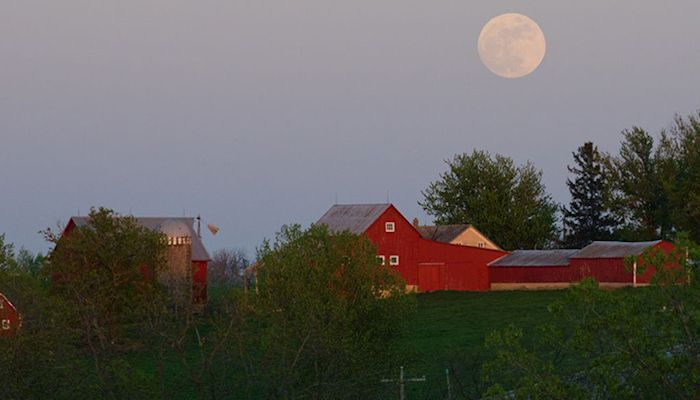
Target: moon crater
[{"x": 511, "y": 45}]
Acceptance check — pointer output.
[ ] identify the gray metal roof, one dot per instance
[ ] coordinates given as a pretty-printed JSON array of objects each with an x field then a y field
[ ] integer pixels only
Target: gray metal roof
[
  {"x": 442, "y": 233},
  {"x": 199, "y": 252},
  {"x": 535, "y": 258},
  {"x": 614, "y": 249},
  {"x": 354, "y": 218}
]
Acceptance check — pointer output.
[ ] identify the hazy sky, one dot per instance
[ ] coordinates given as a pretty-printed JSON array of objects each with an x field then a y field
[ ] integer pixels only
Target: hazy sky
[{"x": 257, "y": 113}]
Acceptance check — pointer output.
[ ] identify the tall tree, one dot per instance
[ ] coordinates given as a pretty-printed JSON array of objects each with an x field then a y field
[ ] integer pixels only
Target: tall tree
[
  {"x": 226, "y": 267},
  {"x": 681, "y": 173},
  {"x": 327, "y": 317},
  {"x": 7, "y": 253},
  {"x": 639, "y": 199},
  {"x": 588, "y": 216},
  {"x": 506, "y": 202},
  {"x": 100, "y": 270}
]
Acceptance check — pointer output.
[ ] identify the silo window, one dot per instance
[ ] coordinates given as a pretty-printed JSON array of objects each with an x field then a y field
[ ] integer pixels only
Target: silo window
[{"x": 389, "y": 227}]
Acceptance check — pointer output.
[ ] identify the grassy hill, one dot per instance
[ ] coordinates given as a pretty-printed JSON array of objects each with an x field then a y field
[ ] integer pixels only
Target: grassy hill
[{"x": 449, "y": 331}]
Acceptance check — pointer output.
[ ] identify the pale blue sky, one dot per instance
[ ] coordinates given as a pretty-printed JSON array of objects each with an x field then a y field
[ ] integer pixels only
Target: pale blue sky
[{"x": 257, "y": 113}]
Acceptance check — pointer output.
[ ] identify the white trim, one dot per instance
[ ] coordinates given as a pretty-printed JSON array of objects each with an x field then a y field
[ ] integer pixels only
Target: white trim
[
  {"x": 390, "y": 226},
  {"x": 391, "y": 260}
]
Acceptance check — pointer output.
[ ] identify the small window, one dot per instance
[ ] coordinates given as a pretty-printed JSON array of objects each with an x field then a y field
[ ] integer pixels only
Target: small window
[
  {"x": 5, "y": 324},
  {"x": 2, "y": 304},
  {"x": 394, "y": 260},
  {"x": 389, "y": 227},
  {"x": 482, "y": 244},
  {"x": 381, "y": 260}
]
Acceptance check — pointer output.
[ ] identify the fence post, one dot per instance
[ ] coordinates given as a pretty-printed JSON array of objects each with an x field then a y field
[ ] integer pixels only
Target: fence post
[{"x": 449, "y": 388}]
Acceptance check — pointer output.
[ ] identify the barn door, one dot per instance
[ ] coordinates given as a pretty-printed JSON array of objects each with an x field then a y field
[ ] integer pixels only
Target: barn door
[{"x": 431, "y": 277}]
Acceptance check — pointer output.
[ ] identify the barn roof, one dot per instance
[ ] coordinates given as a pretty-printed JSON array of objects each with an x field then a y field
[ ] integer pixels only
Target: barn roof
[
  {"x": 535, "y": 258},
  {"x": 199, "y": 252},
  {"x": 614, "y": 249},
  {"x": 353, "y": 218},
  {"x": 442, "y": 233}
]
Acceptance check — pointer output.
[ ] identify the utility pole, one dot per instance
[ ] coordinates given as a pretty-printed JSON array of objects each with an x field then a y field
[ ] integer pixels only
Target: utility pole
[{"x": 402, "y": 382}]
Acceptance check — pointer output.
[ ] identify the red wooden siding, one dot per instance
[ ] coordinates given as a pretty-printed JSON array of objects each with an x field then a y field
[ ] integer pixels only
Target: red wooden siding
[
  {"x": 605, "y": 270},
  {"x": 427, "y": 264},
  {"x": 199, "y": 281},
  {"x": 10, "y": 320}
]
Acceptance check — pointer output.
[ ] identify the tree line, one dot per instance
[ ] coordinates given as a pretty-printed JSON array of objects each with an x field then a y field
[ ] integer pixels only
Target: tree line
[
  {"x": 98, "y": 321},
  {"x": 649, "y": 189}
]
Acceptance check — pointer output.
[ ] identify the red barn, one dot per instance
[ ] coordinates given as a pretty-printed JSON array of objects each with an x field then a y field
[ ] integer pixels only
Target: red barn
[
  {"x": 425, "y": 264},
  {"x": 603, "y": 261},
  {"x": 187, "y": 258},
  {"x": 10, "y": 320}
]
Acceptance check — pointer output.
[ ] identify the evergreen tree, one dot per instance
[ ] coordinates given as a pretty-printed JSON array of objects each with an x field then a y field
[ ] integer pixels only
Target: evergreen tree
[{"x": 588, "y": 217}]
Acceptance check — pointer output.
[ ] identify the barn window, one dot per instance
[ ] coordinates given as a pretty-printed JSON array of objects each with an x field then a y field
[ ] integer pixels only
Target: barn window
[
  {"x": 2, "y": 304},
  {"x": 389, "y": 227},
  {"x": 482, "y": 244},
  {"x": 381, "y": 260},
  {"x": 5, "y": 324},
  {"x": 394, "y": 260}
]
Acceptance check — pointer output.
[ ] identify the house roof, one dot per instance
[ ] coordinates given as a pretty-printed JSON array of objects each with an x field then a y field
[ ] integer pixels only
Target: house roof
[
  {"x": 353, "y": 218},
  {"x": 442, "y": 233},
  {"x": 614, "y": 249},
  {"x": 535, "y": 258},
  {"x": 165, "y": 225}
]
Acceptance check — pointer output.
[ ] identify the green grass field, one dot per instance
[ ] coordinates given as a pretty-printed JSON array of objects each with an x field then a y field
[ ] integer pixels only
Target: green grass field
[{"x": 450, "y": 328}]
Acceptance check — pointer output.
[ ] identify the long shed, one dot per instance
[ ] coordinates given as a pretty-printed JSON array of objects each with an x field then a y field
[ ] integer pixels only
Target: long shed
[{"x": 601, "y": 260}]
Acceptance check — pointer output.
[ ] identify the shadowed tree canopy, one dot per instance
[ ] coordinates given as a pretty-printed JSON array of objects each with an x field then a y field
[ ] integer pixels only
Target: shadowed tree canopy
[
  {"x": 636, "y": 179},
  {"x": 508, "y": 203},
  {"x": 327, "y": 316},
  {"x": 106, "y": 271},
  {"x": 680, "y": 173}
]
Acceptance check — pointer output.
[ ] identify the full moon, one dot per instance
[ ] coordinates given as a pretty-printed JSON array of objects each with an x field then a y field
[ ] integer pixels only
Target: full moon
[{"x": 511, "y": 45}]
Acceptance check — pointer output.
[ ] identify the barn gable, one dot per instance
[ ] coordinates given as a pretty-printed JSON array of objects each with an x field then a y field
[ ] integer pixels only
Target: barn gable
[
  {"x": 353, "y": 218},
  {"x": 460, "y": 234},
  {"x": 425, "y": 264}
]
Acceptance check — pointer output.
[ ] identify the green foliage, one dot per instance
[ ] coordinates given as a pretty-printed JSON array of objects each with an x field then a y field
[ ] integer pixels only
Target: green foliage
[
  {"x": 7, "y": 253},
  {"x": 44, "y": 359},
  {"x": 588, "y": 216},
  {"x": 101, "y": 271},
  {"x": 29, "y": 262},
  {"x": 655, "y": 183},
  {"x": 680, "y": 155},
  {"x": 626, "y": 344},
  {"x": 327, "y": 317},
  {"x": 637, "y": 180},
  {"x": 507, "y": 203}
]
